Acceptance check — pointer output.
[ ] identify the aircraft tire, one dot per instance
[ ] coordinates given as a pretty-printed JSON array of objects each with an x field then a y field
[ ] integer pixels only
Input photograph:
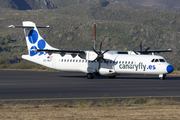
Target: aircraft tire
[
  {"x": 90, "y": 76},
  {"x": 163, "y": 78},
  {"x": 112, "y": 77}
]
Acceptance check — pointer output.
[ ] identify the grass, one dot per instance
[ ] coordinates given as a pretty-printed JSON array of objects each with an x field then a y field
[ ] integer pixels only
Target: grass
[
  {"x": 175, "y": 72},
  {"x": 135, "y": 109}
]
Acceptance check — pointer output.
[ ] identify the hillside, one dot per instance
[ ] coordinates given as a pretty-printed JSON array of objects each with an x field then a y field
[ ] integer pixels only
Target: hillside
[
  {"x": 155, "y": 3},
  {"x": 52, "y": 4},
  {"x": 26, "y": 4},
  {"x": 121, "y": 26}
]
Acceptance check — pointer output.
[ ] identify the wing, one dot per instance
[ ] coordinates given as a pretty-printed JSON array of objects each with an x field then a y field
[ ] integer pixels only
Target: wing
[
  {"x": 153, "y": 51},
  {"x": 143, "y": 51}
]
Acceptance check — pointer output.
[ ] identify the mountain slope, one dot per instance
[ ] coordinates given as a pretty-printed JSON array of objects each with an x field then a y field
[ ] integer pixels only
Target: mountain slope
[
  {"x": 155, "y": 3},
  {"x": 26, "y": 4},
  {"x": 122, "y": 26}
]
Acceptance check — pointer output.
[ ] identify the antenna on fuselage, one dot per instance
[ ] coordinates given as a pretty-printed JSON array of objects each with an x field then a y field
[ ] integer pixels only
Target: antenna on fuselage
[{"x": 94, "y": 36}]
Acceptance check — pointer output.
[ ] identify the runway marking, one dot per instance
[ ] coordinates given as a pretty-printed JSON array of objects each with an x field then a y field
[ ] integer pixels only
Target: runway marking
[{"x": 89, "y": 98}]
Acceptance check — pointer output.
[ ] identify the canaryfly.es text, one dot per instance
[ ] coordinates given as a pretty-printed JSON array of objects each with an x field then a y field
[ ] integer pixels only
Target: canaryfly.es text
[{"x": 137, "y": 67}]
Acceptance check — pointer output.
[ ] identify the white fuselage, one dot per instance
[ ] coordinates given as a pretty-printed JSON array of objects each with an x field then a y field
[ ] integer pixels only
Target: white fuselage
[{"x": 117, "y": 64}]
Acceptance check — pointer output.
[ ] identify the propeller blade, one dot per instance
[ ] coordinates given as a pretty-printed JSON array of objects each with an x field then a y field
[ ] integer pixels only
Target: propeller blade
[
  {"x": 105, "y": 51},
  {"x": 147, "y": 49},
  {"x": 99, "y": 65},
  {"x": 105, "y": 61},
  {"x": 135, "y": 52},
  {"x": 95, "y": 51},
  {"x": 94, "y": 60},
  {"x": 100, "y": 46},
  {"x": 141, "y": 46}
]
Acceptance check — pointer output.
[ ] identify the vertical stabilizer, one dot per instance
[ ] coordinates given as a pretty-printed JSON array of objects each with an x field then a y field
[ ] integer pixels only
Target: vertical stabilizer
[
  {"x": 33, "y": 39},
  {"x": 36, "y": 42}
]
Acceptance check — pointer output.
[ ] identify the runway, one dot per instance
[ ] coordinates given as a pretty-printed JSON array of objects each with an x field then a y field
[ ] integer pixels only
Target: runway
[{"x": 23, "y": 84}]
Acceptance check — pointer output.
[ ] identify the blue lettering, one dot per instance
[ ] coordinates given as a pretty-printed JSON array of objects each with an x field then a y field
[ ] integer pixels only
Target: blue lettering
[{"x": 150, "y": 67}]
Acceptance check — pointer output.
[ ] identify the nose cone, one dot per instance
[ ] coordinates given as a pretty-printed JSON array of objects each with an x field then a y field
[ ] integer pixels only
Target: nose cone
[{"x": 169, "y": 68}]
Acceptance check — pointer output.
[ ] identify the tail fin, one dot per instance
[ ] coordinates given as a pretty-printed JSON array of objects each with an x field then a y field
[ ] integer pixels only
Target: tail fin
[{"x": 33, "y": 39}]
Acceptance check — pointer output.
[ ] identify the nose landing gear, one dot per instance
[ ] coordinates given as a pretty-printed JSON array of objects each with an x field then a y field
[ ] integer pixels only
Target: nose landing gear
[{"x": 162, "y": 76}]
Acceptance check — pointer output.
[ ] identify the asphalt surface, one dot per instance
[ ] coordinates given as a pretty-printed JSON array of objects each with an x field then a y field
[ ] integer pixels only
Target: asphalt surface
[{"x": 21, "y": 84}]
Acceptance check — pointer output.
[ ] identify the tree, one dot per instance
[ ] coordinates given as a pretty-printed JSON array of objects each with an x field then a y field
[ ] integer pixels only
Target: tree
[
  {"x": 1, "y": 41},
  {"x": 7, "y": 38}
]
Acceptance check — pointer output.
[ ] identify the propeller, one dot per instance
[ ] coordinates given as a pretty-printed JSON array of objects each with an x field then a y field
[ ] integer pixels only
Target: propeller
[
  {"x": 145, "y": 52},
  {"x": 100, "y": 56}
]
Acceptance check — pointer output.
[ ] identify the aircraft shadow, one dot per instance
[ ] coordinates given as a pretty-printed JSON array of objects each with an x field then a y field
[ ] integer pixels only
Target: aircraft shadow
[{"x": 132, "y": 77}]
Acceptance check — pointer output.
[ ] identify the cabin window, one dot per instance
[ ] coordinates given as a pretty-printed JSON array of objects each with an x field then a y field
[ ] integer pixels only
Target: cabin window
[
  {"x": 70, "y": 60},
  {"x": 79, "y": 60},
  {"x": 76, "y": 60},
  {"x": 82, "y": 60},
  {"x": 129, "y": 62},
  {"x": 73, "y": 60},
  {"x": 161, "y": 60},
  {"x": 62, "y": 60},
  {"x": 67, "y": 60},
  {"x": 119, "y": 62},
  {"x": 122, "y": 62},
  {"x": 132, "y": 62}
]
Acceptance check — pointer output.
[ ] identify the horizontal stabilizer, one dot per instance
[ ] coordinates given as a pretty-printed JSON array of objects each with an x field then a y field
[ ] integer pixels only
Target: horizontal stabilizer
[{"x": 18, "y": 26}]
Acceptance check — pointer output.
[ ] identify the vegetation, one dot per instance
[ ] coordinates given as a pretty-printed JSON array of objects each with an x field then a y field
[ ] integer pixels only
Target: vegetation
[
  {"x": 142, "y": 108},
  {"x": 122, "y": 26}
]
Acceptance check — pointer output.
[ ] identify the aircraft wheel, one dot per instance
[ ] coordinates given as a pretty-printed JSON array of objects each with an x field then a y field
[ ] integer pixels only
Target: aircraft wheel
[
  {"x": 163, "y": 77},
  {"x": 112, "y": 77},
  {"x": 90, "y": 76}
]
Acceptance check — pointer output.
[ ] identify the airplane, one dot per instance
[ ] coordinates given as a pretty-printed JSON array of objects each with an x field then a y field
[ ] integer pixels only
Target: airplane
[{"x": 92, "y": 62}]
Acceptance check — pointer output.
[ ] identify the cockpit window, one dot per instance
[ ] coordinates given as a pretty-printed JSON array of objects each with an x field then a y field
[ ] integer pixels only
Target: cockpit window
[
  {"x": 156, "y": 60},
  {"x": 152, "y": 60},
  {"x": 161, "y": 60}
]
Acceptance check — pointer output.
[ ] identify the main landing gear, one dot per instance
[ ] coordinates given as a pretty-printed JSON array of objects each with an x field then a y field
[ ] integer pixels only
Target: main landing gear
[
  {"x": 162, "y": 76},
  {"x": 90, "y": 76}
]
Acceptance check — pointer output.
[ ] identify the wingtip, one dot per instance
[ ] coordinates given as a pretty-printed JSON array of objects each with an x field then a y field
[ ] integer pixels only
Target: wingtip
[{"x": 11, "y": 26}]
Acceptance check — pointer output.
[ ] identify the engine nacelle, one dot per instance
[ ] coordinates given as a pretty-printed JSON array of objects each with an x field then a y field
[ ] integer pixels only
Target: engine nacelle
[
  {"x": 106, "y": 72},
  {"x": 90, "y": 55}
]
